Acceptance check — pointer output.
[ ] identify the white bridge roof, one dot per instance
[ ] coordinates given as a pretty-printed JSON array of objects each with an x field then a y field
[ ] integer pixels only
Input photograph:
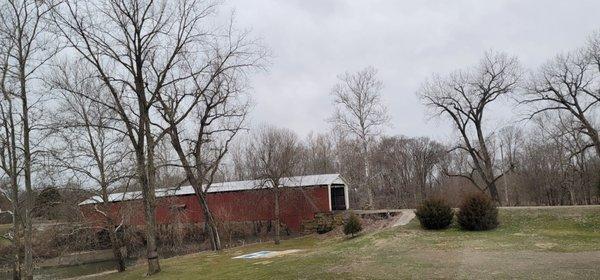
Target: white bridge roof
[{"x": 296, "y": 181}]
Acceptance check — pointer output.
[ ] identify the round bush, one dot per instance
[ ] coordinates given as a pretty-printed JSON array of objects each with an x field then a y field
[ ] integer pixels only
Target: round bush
[
  {"x": 435, "y": 213},
  {"x": 478, "y": 212},
  {"x": 352, "y": 226}
]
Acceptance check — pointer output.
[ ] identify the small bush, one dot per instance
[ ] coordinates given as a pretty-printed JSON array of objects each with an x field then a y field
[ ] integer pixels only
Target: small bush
[
  {"x": 352, "y": 226},
  {"x": 435, "y": 213},
  {"x": 324, "y": 228},
  {"x": 478, "y": 212}
]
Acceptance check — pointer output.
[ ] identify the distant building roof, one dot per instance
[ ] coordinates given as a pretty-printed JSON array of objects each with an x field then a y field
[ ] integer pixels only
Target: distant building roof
[{"x": 296, "y": 181}]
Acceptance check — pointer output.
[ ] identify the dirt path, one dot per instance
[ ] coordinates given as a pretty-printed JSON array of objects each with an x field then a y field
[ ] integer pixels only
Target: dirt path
[{"x": 405, "y": 218}]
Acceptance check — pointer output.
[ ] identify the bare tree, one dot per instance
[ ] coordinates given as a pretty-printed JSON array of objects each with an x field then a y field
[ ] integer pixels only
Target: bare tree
[
  {"x": 426, "y": 157},
  {"x": 351, "y": 167},
  {"x": 89, "y": 144},
  {"x": 360, "y": 113},
  {"x": 206, "y": 111},
  {"x": 569, "y": 84},
  {"x": 407, "y": 168},
  {"x": 25, "y": 30},
  {"x": 547, "y": 171},
  {"x": 136, "y": 48},
  {"x": 273, "y": 154},
  {"x": 9, "y": 157},
  {"x": 464, "y": 97},
  {"x": 510, "y": 142},
  {"x": 570, "y": 161},
  {"x": 235, "y": 162},
  {"x": 394, "y": 171},
  {"x": 319, "y": 154}
]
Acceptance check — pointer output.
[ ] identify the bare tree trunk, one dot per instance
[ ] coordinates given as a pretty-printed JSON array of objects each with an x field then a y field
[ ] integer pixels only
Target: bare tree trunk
[
  {"x": 144, "y": 172},
  {"x": 277, "y": 222},
  {"x": 213, "y": 230},
  {"x": 18, "y": 254},
  {"x": 494, "y": 192},
  {"x": 572, "y": 196},
  {"x": 27, "y": 174},
  {"x": 211, "y": 223},
  {"x": 16, "y": 205},
  {"x": 146, "y": 168},
  {"x": 596, "y": 140},
  {"x": 504, "y": 177},
  {"x": 488, "y": 177},
  {"x": 199, "y": 192},
  {"x": 112, "y": 235},
  {"x": 150, "y": 210},
  {"x": 151, "y": 248},
  {"x": 17, "y": 228},
  {"x": 366, "y": 180},
  {"x": 116, "y": 248}
]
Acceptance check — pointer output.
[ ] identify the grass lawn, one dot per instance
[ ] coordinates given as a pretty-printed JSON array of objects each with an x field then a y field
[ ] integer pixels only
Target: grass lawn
[{"x": 555, "y": 243}]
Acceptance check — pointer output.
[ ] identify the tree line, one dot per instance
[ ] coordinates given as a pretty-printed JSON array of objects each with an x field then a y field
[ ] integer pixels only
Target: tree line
[{"x": 546, "y": 155}]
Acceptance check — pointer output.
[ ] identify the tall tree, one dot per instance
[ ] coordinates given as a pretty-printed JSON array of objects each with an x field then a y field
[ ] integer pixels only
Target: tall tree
[
  {"x": 25, "y": 29},
  {"x": 206, "y": 111},
  {"x": 360, "y": 113},
  {"x": 273, "y": 154},
  {"x": 464, "y": 97},
  {"x": 11, "y": 160},
  {"x": 136, "y": 48},
  {"x": 89, "y": 144},
  {"x": 569, "y": 84}
]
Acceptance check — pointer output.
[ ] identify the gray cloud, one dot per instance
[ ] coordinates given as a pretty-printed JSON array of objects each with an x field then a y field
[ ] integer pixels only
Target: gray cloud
[{"x": 314, "y": 41}]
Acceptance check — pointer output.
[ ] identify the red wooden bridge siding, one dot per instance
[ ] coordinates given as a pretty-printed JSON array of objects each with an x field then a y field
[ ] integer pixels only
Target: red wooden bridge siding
[{"x": 236, "y": 206}]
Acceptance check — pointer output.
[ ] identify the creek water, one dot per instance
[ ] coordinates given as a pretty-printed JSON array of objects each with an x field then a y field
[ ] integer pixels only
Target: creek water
[{"x": 67, "y": 271}]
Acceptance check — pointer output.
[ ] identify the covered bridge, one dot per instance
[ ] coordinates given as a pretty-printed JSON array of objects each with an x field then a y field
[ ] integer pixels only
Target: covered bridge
[{"x": 301, "y": 197}]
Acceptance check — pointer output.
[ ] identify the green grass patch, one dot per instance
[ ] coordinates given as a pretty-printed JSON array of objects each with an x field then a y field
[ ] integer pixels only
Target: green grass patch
[{"x": 564, "y": 240}]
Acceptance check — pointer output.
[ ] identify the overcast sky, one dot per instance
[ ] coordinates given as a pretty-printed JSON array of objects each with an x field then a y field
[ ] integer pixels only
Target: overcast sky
[{"x": 314, "y": 41}]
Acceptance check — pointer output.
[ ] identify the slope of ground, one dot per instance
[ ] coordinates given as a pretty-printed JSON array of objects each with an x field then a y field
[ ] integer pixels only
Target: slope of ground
[{"x": 545, "y": 243}]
